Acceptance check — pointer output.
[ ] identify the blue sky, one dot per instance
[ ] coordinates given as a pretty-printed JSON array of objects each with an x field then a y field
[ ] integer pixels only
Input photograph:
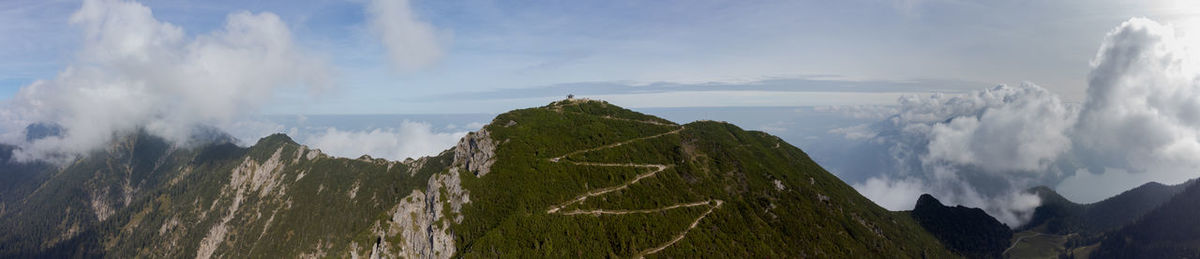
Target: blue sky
[
  {"x": 490, "y": 46},
  {"x": 972, "y": 101}
]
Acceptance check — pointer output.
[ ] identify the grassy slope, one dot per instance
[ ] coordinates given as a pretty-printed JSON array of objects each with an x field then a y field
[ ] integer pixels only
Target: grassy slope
[
  {"x": 709, "y": 160},
  {"x": 1031, "y": 244}
]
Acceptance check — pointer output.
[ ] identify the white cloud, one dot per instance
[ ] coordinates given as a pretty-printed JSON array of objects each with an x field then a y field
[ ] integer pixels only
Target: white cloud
[
  {"x": 857, "y": 132},
  {"x": 1143, "y": 103},
  {"x": 979, "y": 149},
  {"x": 893, "y": 194},
  {"x": 1013, "y": 129},
  {"x": 410, "y": 140},
  {"x": 135, "y": 72},
  {"x": 248, "y": 131},
  {"x": 1012, "y": 208},
  {"x": 1141, "y": 119},
  {"x": 1140, "y": 122},
  {"x": 411, "y": 43}
]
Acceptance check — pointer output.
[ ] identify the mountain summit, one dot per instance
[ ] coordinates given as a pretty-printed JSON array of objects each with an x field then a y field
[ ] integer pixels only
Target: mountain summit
[{"x": 968, "y": 231}]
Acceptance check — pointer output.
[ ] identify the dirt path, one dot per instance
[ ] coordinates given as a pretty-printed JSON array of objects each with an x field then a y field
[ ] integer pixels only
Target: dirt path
[
  {"x": 623, "y": 212},
  {"x": 556, "y": 209},
  {"x": 684, "y": 233},
  {"x": 676, "y": 131},
  {"x": 1018, "y": 241},
  {"x": 602, "y": 191}
]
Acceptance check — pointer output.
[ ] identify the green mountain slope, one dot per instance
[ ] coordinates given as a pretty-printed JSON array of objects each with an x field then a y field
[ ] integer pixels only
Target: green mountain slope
[
  {"x": 1060, "y": 226},
  {"x": 1057, "y": 215},
  {"x": 574, "y": 178},
  {"x": 586, "y": 177},
  {"x": 19, "y": 179},
  {"x": 1168, "y": 231}
]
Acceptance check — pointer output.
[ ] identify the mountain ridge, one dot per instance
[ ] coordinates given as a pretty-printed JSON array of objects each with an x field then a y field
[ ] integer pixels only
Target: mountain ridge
[
  {"x": 1059, "y": 215},
  {"x": 652, "y": 188},
  {"x": 1158, "y": 233},
  {"x": 967, "y": 231}
]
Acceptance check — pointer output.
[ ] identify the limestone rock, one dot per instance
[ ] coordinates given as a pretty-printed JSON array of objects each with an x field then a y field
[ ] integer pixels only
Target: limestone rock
[{"x": 475, "y": 153}]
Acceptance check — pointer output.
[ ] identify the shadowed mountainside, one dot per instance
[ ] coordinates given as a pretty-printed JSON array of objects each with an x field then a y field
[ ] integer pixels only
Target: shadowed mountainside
[
  {"x": 1169, "y": 231},
  {"x": 967, "y": 231}
]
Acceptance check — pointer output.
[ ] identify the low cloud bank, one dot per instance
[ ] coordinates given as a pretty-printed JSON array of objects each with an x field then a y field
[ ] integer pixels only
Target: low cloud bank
[
  {"x": 410, "y": 140},
  {"x": 393, "y": 141},
  {"x": 1140, "y": 120}
]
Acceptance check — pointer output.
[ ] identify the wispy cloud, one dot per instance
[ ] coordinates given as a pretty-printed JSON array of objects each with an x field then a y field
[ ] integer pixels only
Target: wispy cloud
[{"x": 411, "y": 43}]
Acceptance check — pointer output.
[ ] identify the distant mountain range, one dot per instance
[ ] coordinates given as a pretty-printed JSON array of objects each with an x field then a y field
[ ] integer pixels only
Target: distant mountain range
[
  {"x": 1057, "y": 215},
  {"x": 1068, "y": 229},
  {"x": 575, "y": 178}
]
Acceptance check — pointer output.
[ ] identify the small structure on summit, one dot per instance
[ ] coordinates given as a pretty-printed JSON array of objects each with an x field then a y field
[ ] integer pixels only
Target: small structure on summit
[{"x": 570, "y": 96}]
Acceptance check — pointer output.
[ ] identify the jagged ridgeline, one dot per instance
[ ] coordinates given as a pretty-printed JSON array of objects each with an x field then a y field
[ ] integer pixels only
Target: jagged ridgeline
[
  {"x": 142, "y": 197},
  {"x": 574, "y": 178}
]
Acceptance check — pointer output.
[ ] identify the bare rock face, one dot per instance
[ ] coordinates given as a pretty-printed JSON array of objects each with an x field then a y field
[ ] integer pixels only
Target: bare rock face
[
  {"x": 422, "y": 220},
  {"x": 249, "y": 177},
  {"x": 475, "y": 152}
]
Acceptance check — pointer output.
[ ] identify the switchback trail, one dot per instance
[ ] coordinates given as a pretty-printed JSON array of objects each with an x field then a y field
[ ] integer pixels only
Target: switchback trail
[{"x": 712, "y": 204}]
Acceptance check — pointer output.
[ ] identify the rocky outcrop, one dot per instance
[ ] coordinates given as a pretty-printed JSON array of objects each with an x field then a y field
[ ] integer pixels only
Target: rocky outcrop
[
  {"x": 251, "y": 176},
  {"x": 475, "y": 153},
  {"x": 421, "y": 222}
]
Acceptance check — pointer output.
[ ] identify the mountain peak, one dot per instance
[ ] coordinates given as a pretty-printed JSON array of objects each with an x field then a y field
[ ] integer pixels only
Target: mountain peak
[
  {"x": 276, "y": 139},
  {"x": 927, "y": 200},
  {"x": 1048, "y": 195},
  {"x": 968, "y": 231},
  {"x": 572, "y": 100},
  {"x": 1152, "y": 184},
  {"x": 601, "y": 108}
]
